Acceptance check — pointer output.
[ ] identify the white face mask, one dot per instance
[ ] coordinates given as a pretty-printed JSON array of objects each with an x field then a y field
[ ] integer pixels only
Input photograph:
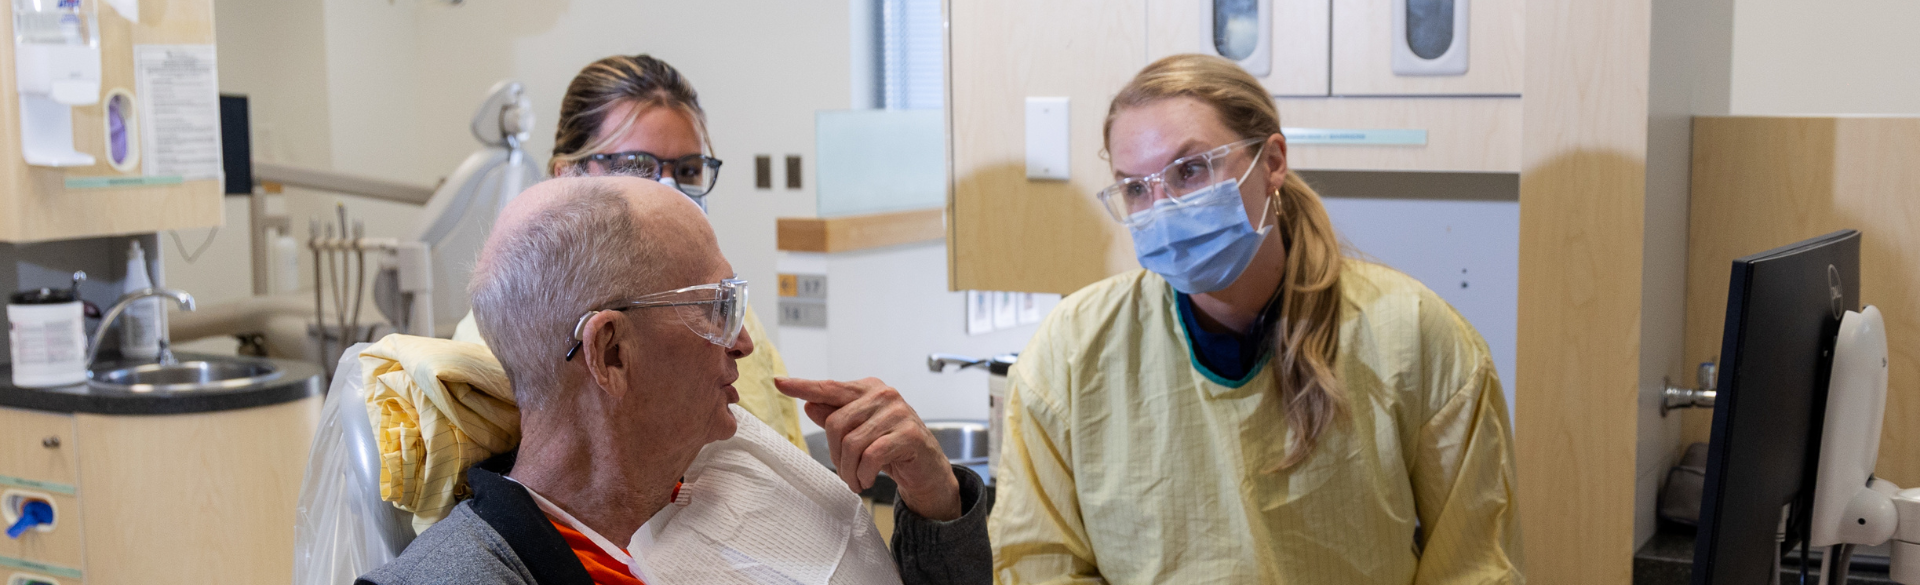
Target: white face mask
[
  {"x": 755, "y": 509},
  {"x": 700, "y": 201}
]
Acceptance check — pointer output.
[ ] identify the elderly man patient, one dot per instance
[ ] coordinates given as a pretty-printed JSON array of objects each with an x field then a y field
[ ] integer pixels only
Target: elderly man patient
[{"x": 609, "y": 305}]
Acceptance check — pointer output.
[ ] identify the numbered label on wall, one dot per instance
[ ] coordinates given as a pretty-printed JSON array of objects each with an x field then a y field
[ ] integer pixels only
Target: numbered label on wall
[{"x": 803, "y": 300}]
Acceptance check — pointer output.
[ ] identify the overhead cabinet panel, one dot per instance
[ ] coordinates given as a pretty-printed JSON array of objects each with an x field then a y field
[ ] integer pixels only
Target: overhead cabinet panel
[
  {"x": 40, "y": 203},
  {"x": 1427, "y": 47},
  {"x": 1283, "y": 43},
  {"x": 1006, "y": 231}
]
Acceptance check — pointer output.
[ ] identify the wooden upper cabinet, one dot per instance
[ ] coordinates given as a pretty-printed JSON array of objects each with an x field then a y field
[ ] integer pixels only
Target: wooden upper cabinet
[
  {"x": 43, "y": 203},
  {"x": 1288, "y": 52},
  {"x": 1434, "y": 58},
  {"x": 1006, "y": 232}
]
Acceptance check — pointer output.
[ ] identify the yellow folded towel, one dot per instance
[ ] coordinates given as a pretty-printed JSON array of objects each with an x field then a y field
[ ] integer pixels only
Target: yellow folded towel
[{"x": 437, "y": 407}]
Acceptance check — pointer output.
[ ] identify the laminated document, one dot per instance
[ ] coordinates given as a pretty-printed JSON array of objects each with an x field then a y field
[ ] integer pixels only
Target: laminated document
[{"x": 178, "y": 91}]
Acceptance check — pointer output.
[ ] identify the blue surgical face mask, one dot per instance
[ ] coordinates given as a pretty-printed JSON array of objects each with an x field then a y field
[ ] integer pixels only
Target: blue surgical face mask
[{"x": 1203, "y": 242}]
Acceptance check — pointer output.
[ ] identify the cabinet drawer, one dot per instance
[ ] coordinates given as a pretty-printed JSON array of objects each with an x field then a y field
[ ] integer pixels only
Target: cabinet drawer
[
  {"x": 54, "y": 552},
  {"x": 36, "y": 451},
  {"x": 1462, "y": 134}
]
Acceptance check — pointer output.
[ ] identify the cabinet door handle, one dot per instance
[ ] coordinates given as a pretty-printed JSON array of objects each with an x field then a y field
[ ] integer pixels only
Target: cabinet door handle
[{"x": 51, "y": 442}]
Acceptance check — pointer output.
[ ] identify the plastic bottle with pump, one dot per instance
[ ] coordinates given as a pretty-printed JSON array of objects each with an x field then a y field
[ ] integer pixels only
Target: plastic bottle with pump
[{"x": 140, "y": 327}]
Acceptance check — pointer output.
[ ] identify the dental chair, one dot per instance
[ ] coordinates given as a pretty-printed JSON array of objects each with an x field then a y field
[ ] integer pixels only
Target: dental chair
[{"x": 343, "y": 528}]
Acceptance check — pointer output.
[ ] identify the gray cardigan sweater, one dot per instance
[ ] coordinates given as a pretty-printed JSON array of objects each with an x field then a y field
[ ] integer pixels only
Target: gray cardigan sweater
[{"x": 500, "y": 536}]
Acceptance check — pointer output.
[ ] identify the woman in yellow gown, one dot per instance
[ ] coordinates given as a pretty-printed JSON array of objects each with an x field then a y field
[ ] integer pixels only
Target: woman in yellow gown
[{"x": 1253, "y": 407}]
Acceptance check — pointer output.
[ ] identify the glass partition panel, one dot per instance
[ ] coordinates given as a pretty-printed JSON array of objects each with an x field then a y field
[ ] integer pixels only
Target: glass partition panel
[{"x": 874, "y": 161}]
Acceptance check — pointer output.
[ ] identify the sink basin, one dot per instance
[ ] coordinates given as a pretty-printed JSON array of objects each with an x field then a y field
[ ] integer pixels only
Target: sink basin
[
  {"x": 185, "y": 376},
  {"x": 964, "y": 442}
]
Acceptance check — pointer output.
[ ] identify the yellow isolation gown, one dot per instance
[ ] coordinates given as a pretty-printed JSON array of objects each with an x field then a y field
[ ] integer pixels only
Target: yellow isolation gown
[{"x": 1126, "y": 462}]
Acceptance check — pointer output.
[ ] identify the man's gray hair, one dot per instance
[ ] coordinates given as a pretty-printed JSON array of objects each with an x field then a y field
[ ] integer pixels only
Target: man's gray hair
[{"x": 576, "y": 255}]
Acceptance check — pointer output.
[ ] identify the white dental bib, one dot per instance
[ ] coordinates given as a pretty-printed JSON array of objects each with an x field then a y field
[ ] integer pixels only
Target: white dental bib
[{"x": 755, "y": 509}]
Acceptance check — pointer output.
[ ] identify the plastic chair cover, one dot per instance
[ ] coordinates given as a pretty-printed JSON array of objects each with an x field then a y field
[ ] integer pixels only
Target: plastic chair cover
[{"x": 343, "y": 528}]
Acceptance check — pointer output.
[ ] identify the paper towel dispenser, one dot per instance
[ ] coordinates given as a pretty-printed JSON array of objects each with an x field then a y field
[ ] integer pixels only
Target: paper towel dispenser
[{"x": 57, "y": 66}]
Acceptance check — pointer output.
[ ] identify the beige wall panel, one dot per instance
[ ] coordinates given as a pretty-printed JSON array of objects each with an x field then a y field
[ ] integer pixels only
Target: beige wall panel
[
  {"x": 1362, "y": 53},
  {"x": 1004, "y": 231},
  {"x": 1762, "y": 182},
  {"x": 211, "y": 497},
  {"x": 35, "y": 204},
  {"x": 1582, "y": 203},
  {"x": 1300, "y": 40},
  {"x": 1302, "y": 46},
  {"x": 1463, "y": 134}
]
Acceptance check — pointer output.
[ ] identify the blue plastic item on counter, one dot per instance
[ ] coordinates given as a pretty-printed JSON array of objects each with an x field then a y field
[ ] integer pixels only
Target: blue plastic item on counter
[{"x": 32, "y": 514}]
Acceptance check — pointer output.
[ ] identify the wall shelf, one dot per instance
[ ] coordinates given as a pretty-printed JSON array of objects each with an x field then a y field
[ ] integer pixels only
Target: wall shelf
[{"x": 859, "y": 232}]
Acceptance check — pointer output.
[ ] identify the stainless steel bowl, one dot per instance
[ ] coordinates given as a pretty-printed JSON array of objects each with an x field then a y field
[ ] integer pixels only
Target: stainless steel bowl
[
  {"x": 185, "y": 376},
  {"x": 964, "y": 442}
]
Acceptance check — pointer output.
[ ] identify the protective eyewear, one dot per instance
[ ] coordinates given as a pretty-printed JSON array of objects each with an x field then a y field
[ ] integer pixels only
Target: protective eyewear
[
  {"x": 1125, "y": 199},
  {"x": 714, "y": 311},
  {"x": 693, "y": 174}
]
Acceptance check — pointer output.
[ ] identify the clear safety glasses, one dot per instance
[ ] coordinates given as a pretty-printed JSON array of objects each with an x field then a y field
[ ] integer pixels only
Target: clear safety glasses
[
  {"x": 693, "y": 174},
  {"x": 714, "y": 311},
  {"x": 1181, "y": 177}
]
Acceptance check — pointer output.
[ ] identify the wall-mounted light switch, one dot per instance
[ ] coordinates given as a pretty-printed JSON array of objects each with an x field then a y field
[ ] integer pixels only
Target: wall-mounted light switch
[{"x": 1047, "y": 144}]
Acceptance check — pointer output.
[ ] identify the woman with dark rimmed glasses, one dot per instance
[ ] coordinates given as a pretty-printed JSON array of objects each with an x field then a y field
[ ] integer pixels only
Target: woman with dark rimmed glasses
[{"x": 637, "y": 116}]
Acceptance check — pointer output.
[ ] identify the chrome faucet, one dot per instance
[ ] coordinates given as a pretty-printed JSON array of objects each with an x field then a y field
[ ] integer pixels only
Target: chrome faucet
[
  {"x": 166, "y": 354},
  {"x": 938, "y": 362}
]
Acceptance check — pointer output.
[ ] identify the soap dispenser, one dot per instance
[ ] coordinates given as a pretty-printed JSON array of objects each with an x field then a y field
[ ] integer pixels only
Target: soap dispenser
[
  {"x": 57, "y": 62},
  {"x": 140, "y": 328}
]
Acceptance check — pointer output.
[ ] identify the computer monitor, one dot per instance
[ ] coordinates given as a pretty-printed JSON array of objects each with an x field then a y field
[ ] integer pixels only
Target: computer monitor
[{"x": 1783, "y": 310}]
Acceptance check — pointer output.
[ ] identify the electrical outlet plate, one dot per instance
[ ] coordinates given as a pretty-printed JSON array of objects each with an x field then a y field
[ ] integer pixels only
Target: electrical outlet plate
[{"x": 1047, "y": 138}]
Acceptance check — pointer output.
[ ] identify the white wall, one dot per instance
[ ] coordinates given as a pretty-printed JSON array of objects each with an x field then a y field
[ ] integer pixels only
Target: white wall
[
  {"x": 1826, "y": 57},
  {"x": 387, "y": 89},
  {"x": 274, "y": 51},
  {"x": 1689, "y": 75},
  {"x": 762, "y": 69},
  {"x": 886, "y": 310}
]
